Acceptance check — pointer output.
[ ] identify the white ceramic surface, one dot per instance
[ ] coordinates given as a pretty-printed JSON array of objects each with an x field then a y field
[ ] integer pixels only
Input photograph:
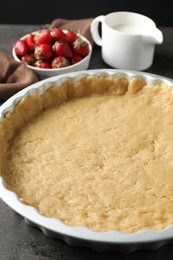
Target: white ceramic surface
[
  {"x": 45, "y": 73},
  {"x": 128, "y": 39},
  {"x": 82, "y": 236}
]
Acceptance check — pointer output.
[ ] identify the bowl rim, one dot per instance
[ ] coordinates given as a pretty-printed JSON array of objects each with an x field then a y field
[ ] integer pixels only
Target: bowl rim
[{"x": 85, "y": 59}]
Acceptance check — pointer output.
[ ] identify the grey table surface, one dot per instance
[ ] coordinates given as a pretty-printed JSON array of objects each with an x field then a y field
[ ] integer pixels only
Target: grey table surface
[{"x": 19, "y": 241}]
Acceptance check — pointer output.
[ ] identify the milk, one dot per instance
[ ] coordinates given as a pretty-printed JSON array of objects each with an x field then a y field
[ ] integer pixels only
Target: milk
[{"x": 129, "y": 28}]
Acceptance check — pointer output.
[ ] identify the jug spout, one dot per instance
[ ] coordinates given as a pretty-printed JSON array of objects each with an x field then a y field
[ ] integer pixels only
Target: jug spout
[{"x": 155, "y": 37}]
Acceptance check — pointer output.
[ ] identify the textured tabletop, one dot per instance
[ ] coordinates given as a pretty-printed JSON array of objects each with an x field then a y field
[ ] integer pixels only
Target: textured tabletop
[{"x": 19, "y": 241}]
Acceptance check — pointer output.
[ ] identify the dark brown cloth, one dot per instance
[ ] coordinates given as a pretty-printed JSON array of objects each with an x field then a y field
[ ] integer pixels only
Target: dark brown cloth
[
  {"x": 80, "y": 25},
  {"x": 14, "y": 76}
]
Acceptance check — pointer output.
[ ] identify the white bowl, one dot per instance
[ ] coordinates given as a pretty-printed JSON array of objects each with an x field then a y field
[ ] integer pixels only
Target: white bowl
[
  {"x": 46, "y": 73},
  {"x": 82, "y": 236}
]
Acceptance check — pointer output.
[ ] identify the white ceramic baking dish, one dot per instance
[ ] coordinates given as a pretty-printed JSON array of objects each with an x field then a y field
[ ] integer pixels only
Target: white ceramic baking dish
[{"x": 82, "y": 236}]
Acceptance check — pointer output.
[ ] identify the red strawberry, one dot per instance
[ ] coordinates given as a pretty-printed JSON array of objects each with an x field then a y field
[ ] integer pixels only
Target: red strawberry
[
  {"x": 30, "y": 41},
  {"x": 81, "y": 47},
  {"x": 43, "y": 36},
  {"x": 29, "y": 58},
  {"x": 62, "y": 49},
  {"x": 71, "y": 36},
  {"x": 76, "y": 58},
  {"x": 43, "y": 52},
  {"x": 20, "y": 47},
  {"x": 59, "y": 62},
  {"x": 58, "y": 34},
  {"x": 43, "y": 64}
]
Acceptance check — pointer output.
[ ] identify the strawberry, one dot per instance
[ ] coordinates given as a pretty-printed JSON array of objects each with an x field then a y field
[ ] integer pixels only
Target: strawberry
[
  {"x": 43, "y": 64},
  {"x": 59, "y": 62},
  {"x": 43, "y": 51},
  {"x": 75, "y": 58},
  {"x": 20, "y": 47},
  {"x": 58, "y": 34},
  {"x": 30, "y": 41},
  {"x": 29, "y": 58},
  {"x": 71, "y": 36},
  {"x": 51, "y": 48},
  {"x": 81, "y": 47},
  {"x": 43, "y": 36},
  {"x": 62, "y": 49}
]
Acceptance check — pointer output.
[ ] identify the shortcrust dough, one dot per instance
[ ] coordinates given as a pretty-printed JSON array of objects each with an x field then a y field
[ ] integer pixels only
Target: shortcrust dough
[{"x": 100, "y": 158}]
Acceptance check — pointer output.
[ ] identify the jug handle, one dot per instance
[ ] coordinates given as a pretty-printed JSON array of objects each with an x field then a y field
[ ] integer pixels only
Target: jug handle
[{"x": 94, "y": 29}]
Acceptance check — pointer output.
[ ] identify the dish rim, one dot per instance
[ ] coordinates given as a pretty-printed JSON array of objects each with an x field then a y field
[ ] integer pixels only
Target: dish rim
[{"x": 54, "y": 225}]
